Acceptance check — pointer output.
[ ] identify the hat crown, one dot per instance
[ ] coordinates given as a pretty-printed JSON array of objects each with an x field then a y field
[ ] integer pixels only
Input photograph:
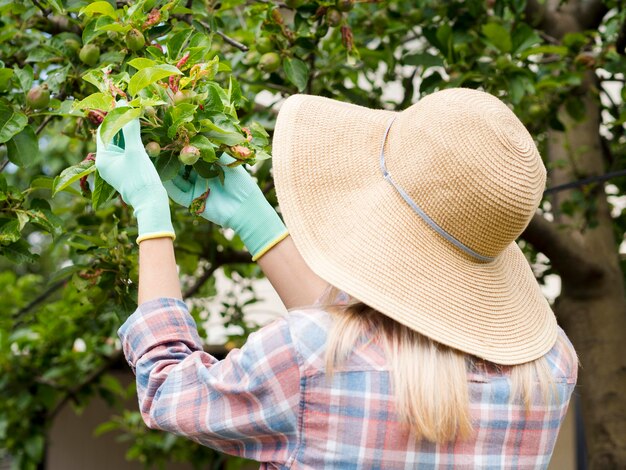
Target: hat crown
[{"x": 470, "y": 164}]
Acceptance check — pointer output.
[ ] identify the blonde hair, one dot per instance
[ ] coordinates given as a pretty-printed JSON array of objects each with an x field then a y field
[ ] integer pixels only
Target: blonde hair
[{"x": 429, "y": 379}]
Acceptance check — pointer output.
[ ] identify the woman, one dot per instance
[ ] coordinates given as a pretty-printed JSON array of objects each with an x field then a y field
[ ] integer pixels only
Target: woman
[{"x": 418, "y": 336}]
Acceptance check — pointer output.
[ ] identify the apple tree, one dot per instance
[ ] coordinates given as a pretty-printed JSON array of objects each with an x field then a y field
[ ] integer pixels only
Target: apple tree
[{"x": 206, "y": 78}]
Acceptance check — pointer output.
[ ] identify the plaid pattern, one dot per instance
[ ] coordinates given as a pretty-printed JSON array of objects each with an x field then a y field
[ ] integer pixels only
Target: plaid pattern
[{"x": 272, "y": 402}]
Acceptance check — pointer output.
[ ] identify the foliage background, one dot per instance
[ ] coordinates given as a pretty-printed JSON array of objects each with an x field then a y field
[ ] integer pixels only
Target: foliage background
[{"x": 68, "y": 264}]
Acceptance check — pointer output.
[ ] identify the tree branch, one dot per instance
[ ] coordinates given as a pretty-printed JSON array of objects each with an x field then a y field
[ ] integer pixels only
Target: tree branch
[
  {"x": 591, "y": 13},
  {"x": 226, "y": 38},
  {"x": 44, "y": 11},
  {"x": 200, "y": 281},
  {"x": 568, "y": 257},
  {"x": 232, "y": 42},
  {"x": 37, "y": 300},
  {"x": 43, "y": 124},
  {"x": 3, "y": 165},
  {"x": 91, "y": 378}
]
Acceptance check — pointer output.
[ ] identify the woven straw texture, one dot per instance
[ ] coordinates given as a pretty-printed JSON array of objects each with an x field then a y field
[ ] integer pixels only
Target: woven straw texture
[{"x": 469, "y": 163}]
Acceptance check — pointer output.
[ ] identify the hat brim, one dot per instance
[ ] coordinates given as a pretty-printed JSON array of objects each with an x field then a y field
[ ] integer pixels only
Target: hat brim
[{"x": 356, "y": 232}]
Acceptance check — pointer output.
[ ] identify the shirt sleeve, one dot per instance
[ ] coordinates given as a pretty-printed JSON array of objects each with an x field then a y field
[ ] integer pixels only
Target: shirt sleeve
[{"x": 245, "y": 405}]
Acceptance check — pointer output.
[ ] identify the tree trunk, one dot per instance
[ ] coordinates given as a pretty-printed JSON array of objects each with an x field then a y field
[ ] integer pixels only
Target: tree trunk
[
  {"x": 591, "y": 307},
  {"x": 584, "y": 252}
]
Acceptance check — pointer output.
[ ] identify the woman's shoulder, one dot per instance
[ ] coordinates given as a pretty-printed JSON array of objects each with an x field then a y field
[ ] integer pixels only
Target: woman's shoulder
[
  {"x": 562, "y": 358},
  {"x": 309, "y": 330}
]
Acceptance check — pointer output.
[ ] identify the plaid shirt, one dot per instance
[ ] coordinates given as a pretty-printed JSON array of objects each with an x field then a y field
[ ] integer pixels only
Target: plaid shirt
[{"x": 271, "y": 401}]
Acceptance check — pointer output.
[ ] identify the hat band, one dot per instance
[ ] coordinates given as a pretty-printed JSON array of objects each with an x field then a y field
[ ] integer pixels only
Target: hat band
[{"x": 417, "y": 209}]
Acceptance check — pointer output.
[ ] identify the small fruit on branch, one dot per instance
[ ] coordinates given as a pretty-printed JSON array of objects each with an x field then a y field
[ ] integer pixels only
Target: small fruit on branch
[
  {"x": 153, "y": 149},
  {"x": 269, "y": 62},
  {"x": 189, "y": 155},
  {"x": 135, "y": 40},
  {"x": 89, "y": 54},
  {"x": 38, "y": 97}
]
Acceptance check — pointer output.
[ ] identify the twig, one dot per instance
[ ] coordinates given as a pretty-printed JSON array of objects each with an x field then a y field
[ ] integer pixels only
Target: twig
[
  {"x": 43, "y": 124},
  {"x": 200, "y": 281},
  {"x": 45, "y": 11},
  {"x": 233, "y": 42},
  {"x": 545, "y": 36},
  {"x": 226, "y": 38},
  {"x": 4, "y": 165},
  {"x": 37, "y": 300}
]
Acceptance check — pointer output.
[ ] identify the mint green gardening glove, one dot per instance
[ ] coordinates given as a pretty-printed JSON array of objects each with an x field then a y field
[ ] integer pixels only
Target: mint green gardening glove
[
  {"x": 129, "y": 170},
  {"x": 238, "y": 204}
]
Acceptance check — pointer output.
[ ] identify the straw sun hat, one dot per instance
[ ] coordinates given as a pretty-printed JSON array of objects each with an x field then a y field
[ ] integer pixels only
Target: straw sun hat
[{"x": 416, "y": 214}]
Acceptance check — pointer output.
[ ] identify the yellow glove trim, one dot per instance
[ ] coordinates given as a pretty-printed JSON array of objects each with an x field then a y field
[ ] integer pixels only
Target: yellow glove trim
[
  {"x": 270, "y": 245},
  {"x": 150, "y": 236}
]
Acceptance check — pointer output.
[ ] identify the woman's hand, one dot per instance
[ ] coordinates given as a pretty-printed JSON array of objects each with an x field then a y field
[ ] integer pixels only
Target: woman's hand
[
  {"x": 238, "y": 204},
  {"x": 129, "y": 170}
]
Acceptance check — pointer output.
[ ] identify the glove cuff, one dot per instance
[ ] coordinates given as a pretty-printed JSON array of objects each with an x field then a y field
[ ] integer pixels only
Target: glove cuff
[
  {"x": 259, "y": 226},
  {"x": 153, "y": 214}
]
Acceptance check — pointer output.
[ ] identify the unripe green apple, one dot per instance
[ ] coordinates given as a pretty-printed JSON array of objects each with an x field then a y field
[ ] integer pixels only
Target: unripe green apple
[
  {"x": 38, "y": 97},
  {"x": 269, "y": 62},
  {"x": 189, "y": 155},
  {"x": 153, "y": 149},
  {"x": 264, "y": 45},
  {"x": 135, "y": 40},
  {"x": 344, "y": 5},
  {"x": 89, "y": 54}
]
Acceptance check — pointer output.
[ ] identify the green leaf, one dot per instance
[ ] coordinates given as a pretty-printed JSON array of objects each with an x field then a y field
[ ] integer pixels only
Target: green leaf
[
  {"x": 222, "y": 131},
  {"x": 24, "y": 77},
  {"x": 548, "y": 49},
  {"x": 103, "y": 101},
  {"x": 11, "y": 122},
  {"x": 297, "y": 72},
  {"x": 424, "y": 59},
  {"x": 105, "y": 427},
  {"x": 115, "y": 120},
  {"x": 261, "y": 155},
  {"x": 45, "y": 219},
  {"x": 57, "y": 78},
  {"x": 42, "y": 54},
  {"x": 34, "y": 446},
  {"x": 524, "y": 37},
  {"x": 180, "y": 114},
  {"x": 94, "y": 28},
  {"x": 213, "y": 103},
  {"x": 102, "y": 192},
  {"x": 167, "y": 166},
  {"x": 141, "y": 63},
  {"x": 9, "y": 231},
  {"x": 498, "y": 36},
  {"x": 46, "y": 182},
  {"x": 176, "y": 42},
  {"x": 207, "y": 150},
  {"x": 71, "y": 174},
  {"x": 18, "y": 252},
  {"x": 58, "y": 7},
  {"x": 150, "y": 75},
  {"x": 205, "y": 169},
  {"x": 23, "y": 148},
  {"x": 103, "y": 8},
  {"x": 5, "y": 78}
]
